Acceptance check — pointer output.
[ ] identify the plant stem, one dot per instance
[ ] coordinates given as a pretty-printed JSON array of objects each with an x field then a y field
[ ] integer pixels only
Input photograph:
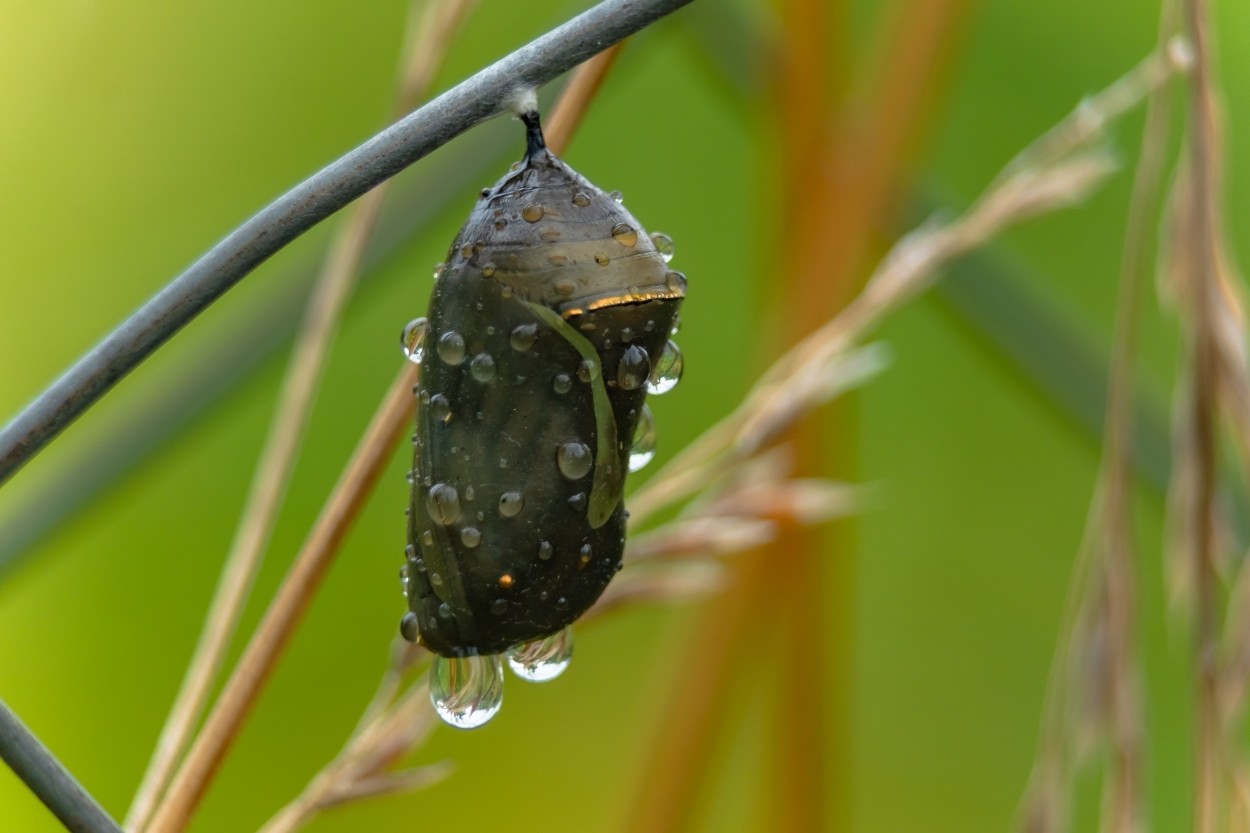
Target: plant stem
[
  {"x": 48, "y": 780},
  {"x": 386, "y": 154}
]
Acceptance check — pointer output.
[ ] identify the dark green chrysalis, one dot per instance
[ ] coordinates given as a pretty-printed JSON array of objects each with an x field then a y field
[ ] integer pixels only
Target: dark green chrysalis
[{"x": 544, "y": 326}]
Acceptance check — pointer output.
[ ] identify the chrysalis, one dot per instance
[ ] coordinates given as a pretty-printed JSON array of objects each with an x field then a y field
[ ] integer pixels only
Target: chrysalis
[{"x": 548, "y": 323}]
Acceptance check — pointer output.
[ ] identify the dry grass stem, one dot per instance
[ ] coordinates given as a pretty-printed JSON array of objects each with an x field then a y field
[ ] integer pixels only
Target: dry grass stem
[
  {"x": 287, "y": 608},
  {"x": 424, "y": 55}
]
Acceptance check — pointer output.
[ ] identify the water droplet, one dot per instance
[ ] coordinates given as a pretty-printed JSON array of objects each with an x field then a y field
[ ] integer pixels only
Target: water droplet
[
  {"x": 667, "y": 370},
  {"x": 499, "y": 607},
  {"x": 616, "y": 196},
  {"x": 550, "y": 234},
  {"x": 444, "y": 610},
  {"x": 642, "y": 449},
  {"x": 585, "y": 553},
  {"x": 581, "y": 200},
  {"x": 588, "y": 370},
  {"x": 523, "y": 337},
  {"x": 624, "y": 234},
  {"x": 440, "y": 408},
  {"x": 602, "y": 259},
  {"x": 545, "y": 551},
  {"x": 578, "y": 502},
  {"x": 663, "y": 245},
  {"x": 469, "y": 493},
  {"x": 511, "y": 504},
  {"x": 501, "y": 224},
  {"x": 558, "y": 259},
  {"x": 482, "y": 367},
  {"x": 532, "y": 213},
  {"x": 470, "y": 536},
  {"x": 408, "y": 627},
  {"x": 466, "y": 691},
  {"x": 403, "y": 579},
  {"x": 676, "y": 282},
  {"x": 542, "y": 659},
  {"x": 574, "y": 460},
  {"x": 634, "y": 368},
  {"x": 561, "y": 383},
  {"x": 488, "y": 269},
  {"x": 451, "y": 348},
  {"x": 627, "y": 335},
  {"x": 443, "y": 503},
  {"x": 427, "y": 538},
  {"x": 438, "y": 270},
  {"x": 466, "y": 251},
  {"x": 565, "y": 287},
  {"x": 412, "y": 340}
]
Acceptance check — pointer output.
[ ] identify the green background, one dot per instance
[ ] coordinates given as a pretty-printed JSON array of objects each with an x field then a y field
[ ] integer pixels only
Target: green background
[{"x": 137, "y": 134}]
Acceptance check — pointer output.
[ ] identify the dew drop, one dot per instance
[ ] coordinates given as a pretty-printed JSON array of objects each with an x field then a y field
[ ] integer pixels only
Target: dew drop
[
  {"x": 588, "y": 370},
  {"x": 482, "y": 367},
  {"x": 625, "y": 234},
  {"x": 444, "y": 610},
  {"x": 581, "y": 200},
  {"x": 627, "y": 335},
  {"x": 440, "y": 408},
  {"x": 550, "y": 234},
  {"x": 488, "y": 269},
  {"x": 574, "y": 460},
  {"x": 616, "y": 196},
  {"x": 451, "y": 348},
  {"x": 676, "y": 282},
  {"x": 511, "y": 504},
  {"x": 545, "y": 551},
  {"x": 501, "y": 224},
  {"x": 466, "y": 691},
  {"x": 602, "y": 259},
  {"x": 667, "y": 370},
  {"x": 466, "y": 251},
  {"x": 562, "y": 383},
  {"x": 470, "y": 536},
  {"x": 427, "y": 538},
  {"x": 663, "y": 245},
  {"x": 443, "y": 503},
  {"x": 499, "y": 607},
  {"x": 412, "y": 340},
  {"x": 523, "y": 337},
  {"x": 634, "y": 368},
  {"x": 469, "y": 493},
  {"x": 408, "y": 627},
  {"x": 585, "y": 553},
  {"x": 578, "y": 502},
  {"x": 532, "y": 213},
  {"x": 642, "y": 449},
  {"x": 565, "y": 287},
  {"x": 543, "y": 659},
  {"x": 558, "y": 259}
]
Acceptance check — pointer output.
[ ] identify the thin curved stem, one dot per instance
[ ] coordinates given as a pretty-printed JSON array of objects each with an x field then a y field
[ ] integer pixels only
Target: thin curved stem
[{"x": 487, "y": 93}]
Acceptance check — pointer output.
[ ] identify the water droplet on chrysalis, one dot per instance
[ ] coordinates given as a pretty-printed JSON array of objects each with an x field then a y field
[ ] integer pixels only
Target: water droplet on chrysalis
[
  {"x": 574, "y": 460},
  {"x": 470, "y": 536},
  {"x": 440, "y": 408},
  {"x": 561, "y": 383},
  {"x": 412, "y": 340},
  {"x": 642, "y": 449},
  {"x": 624, "y": 234},
  {"x": 523, "y": 337},
  {"x": 666, "y": 372},
  {"x": 663, "y": 245},
  {"x": 451, "y": 347},
  {"x": 510, "y": 504},
  {"x": 543, "y": 659},
  {"x": 581, "y": 200},
  {"x": 532, "y": 213},
  {"x": 443, "y": 503},
  {"x": 466, "y": 691},
  {"x": 482, "y": 367},
  {"x": 634, "y": 368}
]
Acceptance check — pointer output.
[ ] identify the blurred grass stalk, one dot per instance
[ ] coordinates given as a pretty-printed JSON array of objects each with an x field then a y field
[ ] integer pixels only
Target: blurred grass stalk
[{"x": 432, "y": 29}]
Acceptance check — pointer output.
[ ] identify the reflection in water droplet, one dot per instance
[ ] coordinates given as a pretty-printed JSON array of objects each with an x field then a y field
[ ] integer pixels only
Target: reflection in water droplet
[
  {"x": 581, "y": 200},
  {"x": 667, "y": 370},
  {"x": 561, "y": 383},
  {"x": 451, "y": 347},
  {"x": 470, "y": 536},
  {"x": 412, "y": 340},
  {"x": 633, "y": 369},
  {"x": 440, "y": 408},
  {"x": 532, "y": 213},
  {"x": 408, "y": 627},
  {"x": 523, "y": 337},
  {"x": 663, "y": 245},
  {"x": 466, "y": 691},
  {"x": 511, "y": 504},
  {"x": 574, "y": 460},
  {"x": 642, "y": 449},
  {"x": 676, "y": 282},
  {"x": 624, "y": 234},
  {"x": 443, "y": 503},
  {"x": 482, "y": 367},
  {"x": 542, "y": 659},
  {"x": 588, "y": 370},
  {"x": 488, "y": 269}
]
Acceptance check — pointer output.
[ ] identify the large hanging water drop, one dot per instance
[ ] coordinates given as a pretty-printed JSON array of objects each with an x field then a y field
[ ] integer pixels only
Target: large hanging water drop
[
  {"x": 666, "y": 372},
  {"x": 466, "y": 691},
  {"x": 642, "y": 450},
  {"x": 412, "y": 340},
  {"x": 663, "y": 245},
  {"x": 542, "y": 659}
]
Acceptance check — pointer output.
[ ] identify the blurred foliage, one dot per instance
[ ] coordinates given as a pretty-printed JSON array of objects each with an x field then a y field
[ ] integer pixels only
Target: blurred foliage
[{"x": 137, "y": 134}]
